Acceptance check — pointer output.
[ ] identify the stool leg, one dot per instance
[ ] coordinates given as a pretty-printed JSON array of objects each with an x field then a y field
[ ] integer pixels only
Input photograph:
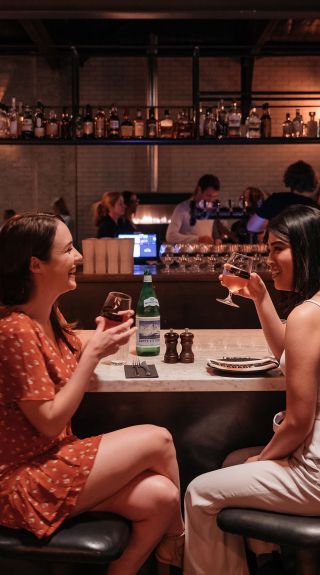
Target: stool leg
[{"x": 307, "y": 562}]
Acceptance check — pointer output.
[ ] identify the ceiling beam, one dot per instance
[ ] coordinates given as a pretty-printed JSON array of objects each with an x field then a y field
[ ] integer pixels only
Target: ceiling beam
[
  {"x": 158, "y": 9},
  {"x": 39, "y": 35},
  {"x": 264, "y": 37}
]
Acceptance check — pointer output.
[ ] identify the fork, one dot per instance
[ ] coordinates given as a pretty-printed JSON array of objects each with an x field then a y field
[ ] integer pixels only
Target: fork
[{"x": 136, "y": 364}]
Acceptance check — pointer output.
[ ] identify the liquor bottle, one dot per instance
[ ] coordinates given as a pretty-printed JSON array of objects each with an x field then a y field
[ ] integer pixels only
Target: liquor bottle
[
  {"x": 166, "y": 126},
  {"x": 27, "y": 123},
  {"x": 210, "y": 124},
  {"x": 265, "y": 122},
  {"x": 114, "y": 123},
  {"x": 184, "y": 126},
  {"x": 297, "y": 123},
  {"x": 202, "y": 117},
  {"x": 287, "y": 127},
  {"x": 253, "y": 123},
  {"x": 152, "y": 124},
  {"x": 312, "y": 126},
  {"x": 3, "y": 121},
  {"x": 88, "y": 123},
  {"x": 100, "y": 123},
  {"x": 20, "y": 118},
  {"x": 39, "y": 121},
  {"x": 78, "y": 123},
  {"x": 126, "y": 126},
  {"x": 234, "y": 121},
  {"x": 138, "y": 125},
  {"x": 148, "y": 319},
  {"x": 13, "y": 130},
  {"x": 222, "y": 120},
  {"x": 52, "y": 126},
  {"x": 65, "y": 124}
]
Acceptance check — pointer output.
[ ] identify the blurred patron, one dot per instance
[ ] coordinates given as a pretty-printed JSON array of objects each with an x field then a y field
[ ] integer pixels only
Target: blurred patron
[
  {"x": 252, "y": 198},
  {"x": 131, "y": 201},
  {"x": 181, "y": 230},
  {"x": 61, "y": 209},
  {"x": 109, "y": 216},
  {"x": 302, "y": 182}
]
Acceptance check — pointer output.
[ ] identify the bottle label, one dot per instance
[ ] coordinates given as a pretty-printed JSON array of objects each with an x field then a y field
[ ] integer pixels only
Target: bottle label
[
  {"x": 148, "y": 331},
  {"x": 151, "y": 302}
]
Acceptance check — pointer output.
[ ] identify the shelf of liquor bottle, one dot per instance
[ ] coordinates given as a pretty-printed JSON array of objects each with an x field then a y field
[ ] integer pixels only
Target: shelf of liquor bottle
[{"x": 158, "y": 141}]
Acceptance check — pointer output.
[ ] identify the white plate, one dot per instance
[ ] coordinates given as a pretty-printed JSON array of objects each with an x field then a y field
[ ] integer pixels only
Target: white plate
[{"x": 243, "y": 364}]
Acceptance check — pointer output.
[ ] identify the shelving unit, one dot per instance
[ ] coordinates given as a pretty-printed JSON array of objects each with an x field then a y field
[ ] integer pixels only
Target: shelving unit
[{"x": 162, "y": 142}]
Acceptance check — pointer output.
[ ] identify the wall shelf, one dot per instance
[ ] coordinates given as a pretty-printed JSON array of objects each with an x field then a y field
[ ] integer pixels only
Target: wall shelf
[{"x": 163, "y": 142}]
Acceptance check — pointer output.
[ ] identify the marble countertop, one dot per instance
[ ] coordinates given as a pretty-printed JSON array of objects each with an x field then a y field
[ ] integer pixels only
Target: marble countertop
[{"x": 182, "y": 377}]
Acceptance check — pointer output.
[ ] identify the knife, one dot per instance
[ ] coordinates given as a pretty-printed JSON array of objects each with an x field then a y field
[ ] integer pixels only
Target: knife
[{"x": 144, "y": 366}]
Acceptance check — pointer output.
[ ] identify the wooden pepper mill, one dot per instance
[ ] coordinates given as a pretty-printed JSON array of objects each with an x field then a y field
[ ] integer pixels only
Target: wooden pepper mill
[
  {"x": 186, "y": 355},
  {"x": 171, "y": 354}
]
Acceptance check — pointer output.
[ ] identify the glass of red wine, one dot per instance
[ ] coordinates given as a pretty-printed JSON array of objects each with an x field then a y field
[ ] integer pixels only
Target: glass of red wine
[
  {"x": 115, "y": 303},
  {"x": 236, "y": 274}
]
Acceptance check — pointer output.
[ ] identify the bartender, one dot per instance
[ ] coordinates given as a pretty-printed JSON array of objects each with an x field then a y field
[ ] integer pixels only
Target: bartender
[{"x": 183, "y": 229}]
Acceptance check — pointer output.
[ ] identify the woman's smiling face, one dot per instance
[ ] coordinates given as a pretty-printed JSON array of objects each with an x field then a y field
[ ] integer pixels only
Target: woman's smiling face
[{"x": 281, "y": 262}]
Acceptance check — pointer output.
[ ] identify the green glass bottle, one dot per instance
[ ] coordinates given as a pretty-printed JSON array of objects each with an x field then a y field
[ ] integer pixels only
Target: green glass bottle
[{"x": 148, "y": 319}]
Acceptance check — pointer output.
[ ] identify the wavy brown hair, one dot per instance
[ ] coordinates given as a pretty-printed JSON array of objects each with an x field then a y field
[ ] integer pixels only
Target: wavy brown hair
[{"x": 21, "y": 238}]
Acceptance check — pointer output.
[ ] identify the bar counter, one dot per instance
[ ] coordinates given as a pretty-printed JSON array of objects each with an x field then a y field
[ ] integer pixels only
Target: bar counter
[
  {"x": 208, "y": 414},
  {"x": 186, "y": 299}
]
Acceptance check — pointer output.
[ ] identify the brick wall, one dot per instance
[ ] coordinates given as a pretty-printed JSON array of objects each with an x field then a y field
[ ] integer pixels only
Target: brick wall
[{"x": 31, "y": 177}]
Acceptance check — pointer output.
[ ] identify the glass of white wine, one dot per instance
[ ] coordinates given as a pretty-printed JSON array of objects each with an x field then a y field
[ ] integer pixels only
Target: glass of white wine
[{"x": 236, "y": 274}]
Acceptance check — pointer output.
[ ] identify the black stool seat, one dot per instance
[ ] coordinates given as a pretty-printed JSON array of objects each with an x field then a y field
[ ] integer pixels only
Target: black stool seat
[
  {"x": 284, "y": 529},
  {"x": 95, "y": 538}
]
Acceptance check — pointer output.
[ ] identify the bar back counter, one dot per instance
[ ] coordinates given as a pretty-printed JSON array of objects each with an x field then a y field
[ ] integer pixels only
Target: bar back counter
[{"x": 186, "y": 300}]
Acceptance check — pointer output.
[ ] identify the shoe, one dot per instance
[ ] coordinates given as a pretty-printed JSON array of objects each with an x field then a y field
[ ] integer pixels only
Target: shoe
[{"x": 170, "y": 550}]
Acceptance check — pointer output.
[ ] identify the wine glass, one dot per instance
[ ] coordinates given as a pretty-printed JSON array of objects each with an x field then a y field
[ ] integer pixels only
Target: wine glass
[
  {"x": 117, "y": 302},
  {"x": 166, "y": 256},
  {"x": 236, "y": 273}
]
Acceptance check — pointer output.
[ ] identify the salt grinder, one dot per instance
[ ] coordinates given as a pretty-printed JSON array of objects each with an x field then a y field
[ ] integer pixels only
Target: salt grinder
[
  {"x": 171, "y": 354},
  {"x": 186, "y": 355}
]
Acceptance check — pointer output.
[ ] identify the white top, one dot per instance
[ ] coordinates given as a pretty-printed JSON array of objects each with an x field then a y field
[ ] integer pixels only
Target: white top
[{"x": 180, "y": 230}]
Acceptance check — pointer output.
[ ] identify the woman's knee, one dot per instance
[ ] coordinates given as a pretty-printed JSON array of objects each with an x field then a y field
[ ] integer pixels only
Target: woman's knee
[
  {"x": 161, "y": 494},
  {"x": 160, "y": 439}
]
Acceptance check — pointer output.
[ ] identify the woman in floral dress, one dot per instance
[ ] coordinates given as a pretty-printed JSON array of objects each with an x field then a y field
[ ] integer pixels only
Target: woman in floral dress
[{"x": 46, "y": 473}]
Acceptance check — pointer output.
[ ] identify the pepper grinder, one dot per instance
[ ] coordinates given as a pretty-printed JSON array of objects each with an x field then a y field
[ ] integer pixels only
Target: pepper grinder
[
  {"x": 171, "y": 354},
  {"x": 186, "y": 355}
]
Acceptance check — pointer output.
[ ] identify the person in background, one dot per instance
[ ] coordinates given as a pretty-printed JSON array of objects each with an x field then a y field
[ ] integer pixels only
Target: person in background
[
  {"x": 302, "y": 182},
  {"x": 61, "y": 209},
  {"x": 109, "y": 216},
  {"x": 131, "y": 201},
  {"x": 251, "y": 199},
  {"x": 180, "y": 229},
  {"x": 7, "y": 214},
  {"x": 283, "y": 476},
  {"x": 47, "y": 474}
]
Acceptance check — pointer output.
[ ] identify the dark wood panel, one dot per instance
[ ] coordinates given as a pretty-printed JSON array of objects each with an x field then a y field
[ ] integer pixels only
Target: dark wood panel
[{"x": 185, "y": 301}]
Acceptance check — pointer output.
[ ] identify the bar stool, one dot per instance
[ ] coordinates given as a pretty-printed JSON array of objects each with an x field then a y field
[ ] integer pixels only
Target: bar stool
[
  {"x": 90, "y": 539},
  {"x": 300, "y": 532}
]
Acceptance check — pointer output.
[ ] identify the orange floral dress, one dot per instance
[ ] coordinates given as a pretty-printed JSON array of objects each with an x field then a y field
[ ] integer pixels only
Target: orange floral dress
[{"x": 40, "y": 477}]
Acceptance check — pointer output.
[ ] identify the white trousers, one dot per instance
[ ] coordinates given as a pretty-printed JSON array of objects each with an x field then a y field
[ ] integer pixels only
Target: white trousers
[{"x": 268, "y": 485}]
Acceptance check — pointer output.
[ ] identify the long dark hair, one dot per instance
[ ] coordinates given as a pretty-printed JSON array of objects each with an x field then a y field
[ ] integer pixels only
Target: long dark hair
[
  {"x": 299, "y": 225},
  {"x": 21, "y": 238}
]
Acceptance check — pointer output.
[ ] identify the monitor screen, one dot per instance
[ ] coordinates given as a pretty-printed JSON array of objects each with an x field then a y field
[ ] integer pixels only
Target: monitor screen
[{"x": 145, "y": 245}]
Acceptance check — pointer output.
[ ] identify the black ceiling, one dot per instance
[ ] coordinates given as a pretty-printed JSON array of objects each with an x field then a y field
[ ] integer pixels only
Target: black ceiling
[{"x": 50, "y": 27}]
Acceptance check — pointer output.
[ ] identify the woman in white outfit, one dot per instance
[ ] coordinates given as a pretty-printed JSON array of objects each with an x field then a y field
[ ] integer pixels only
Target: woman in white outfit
[{"x": 283, "y": 476}]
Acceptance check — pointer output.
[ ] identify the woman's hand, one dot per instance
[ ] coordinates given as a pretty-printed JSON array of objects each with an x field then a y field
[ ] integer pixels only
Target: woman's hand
[
  {"x": 106, "y": 341},
  {"x": 255, "y": 288}
]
